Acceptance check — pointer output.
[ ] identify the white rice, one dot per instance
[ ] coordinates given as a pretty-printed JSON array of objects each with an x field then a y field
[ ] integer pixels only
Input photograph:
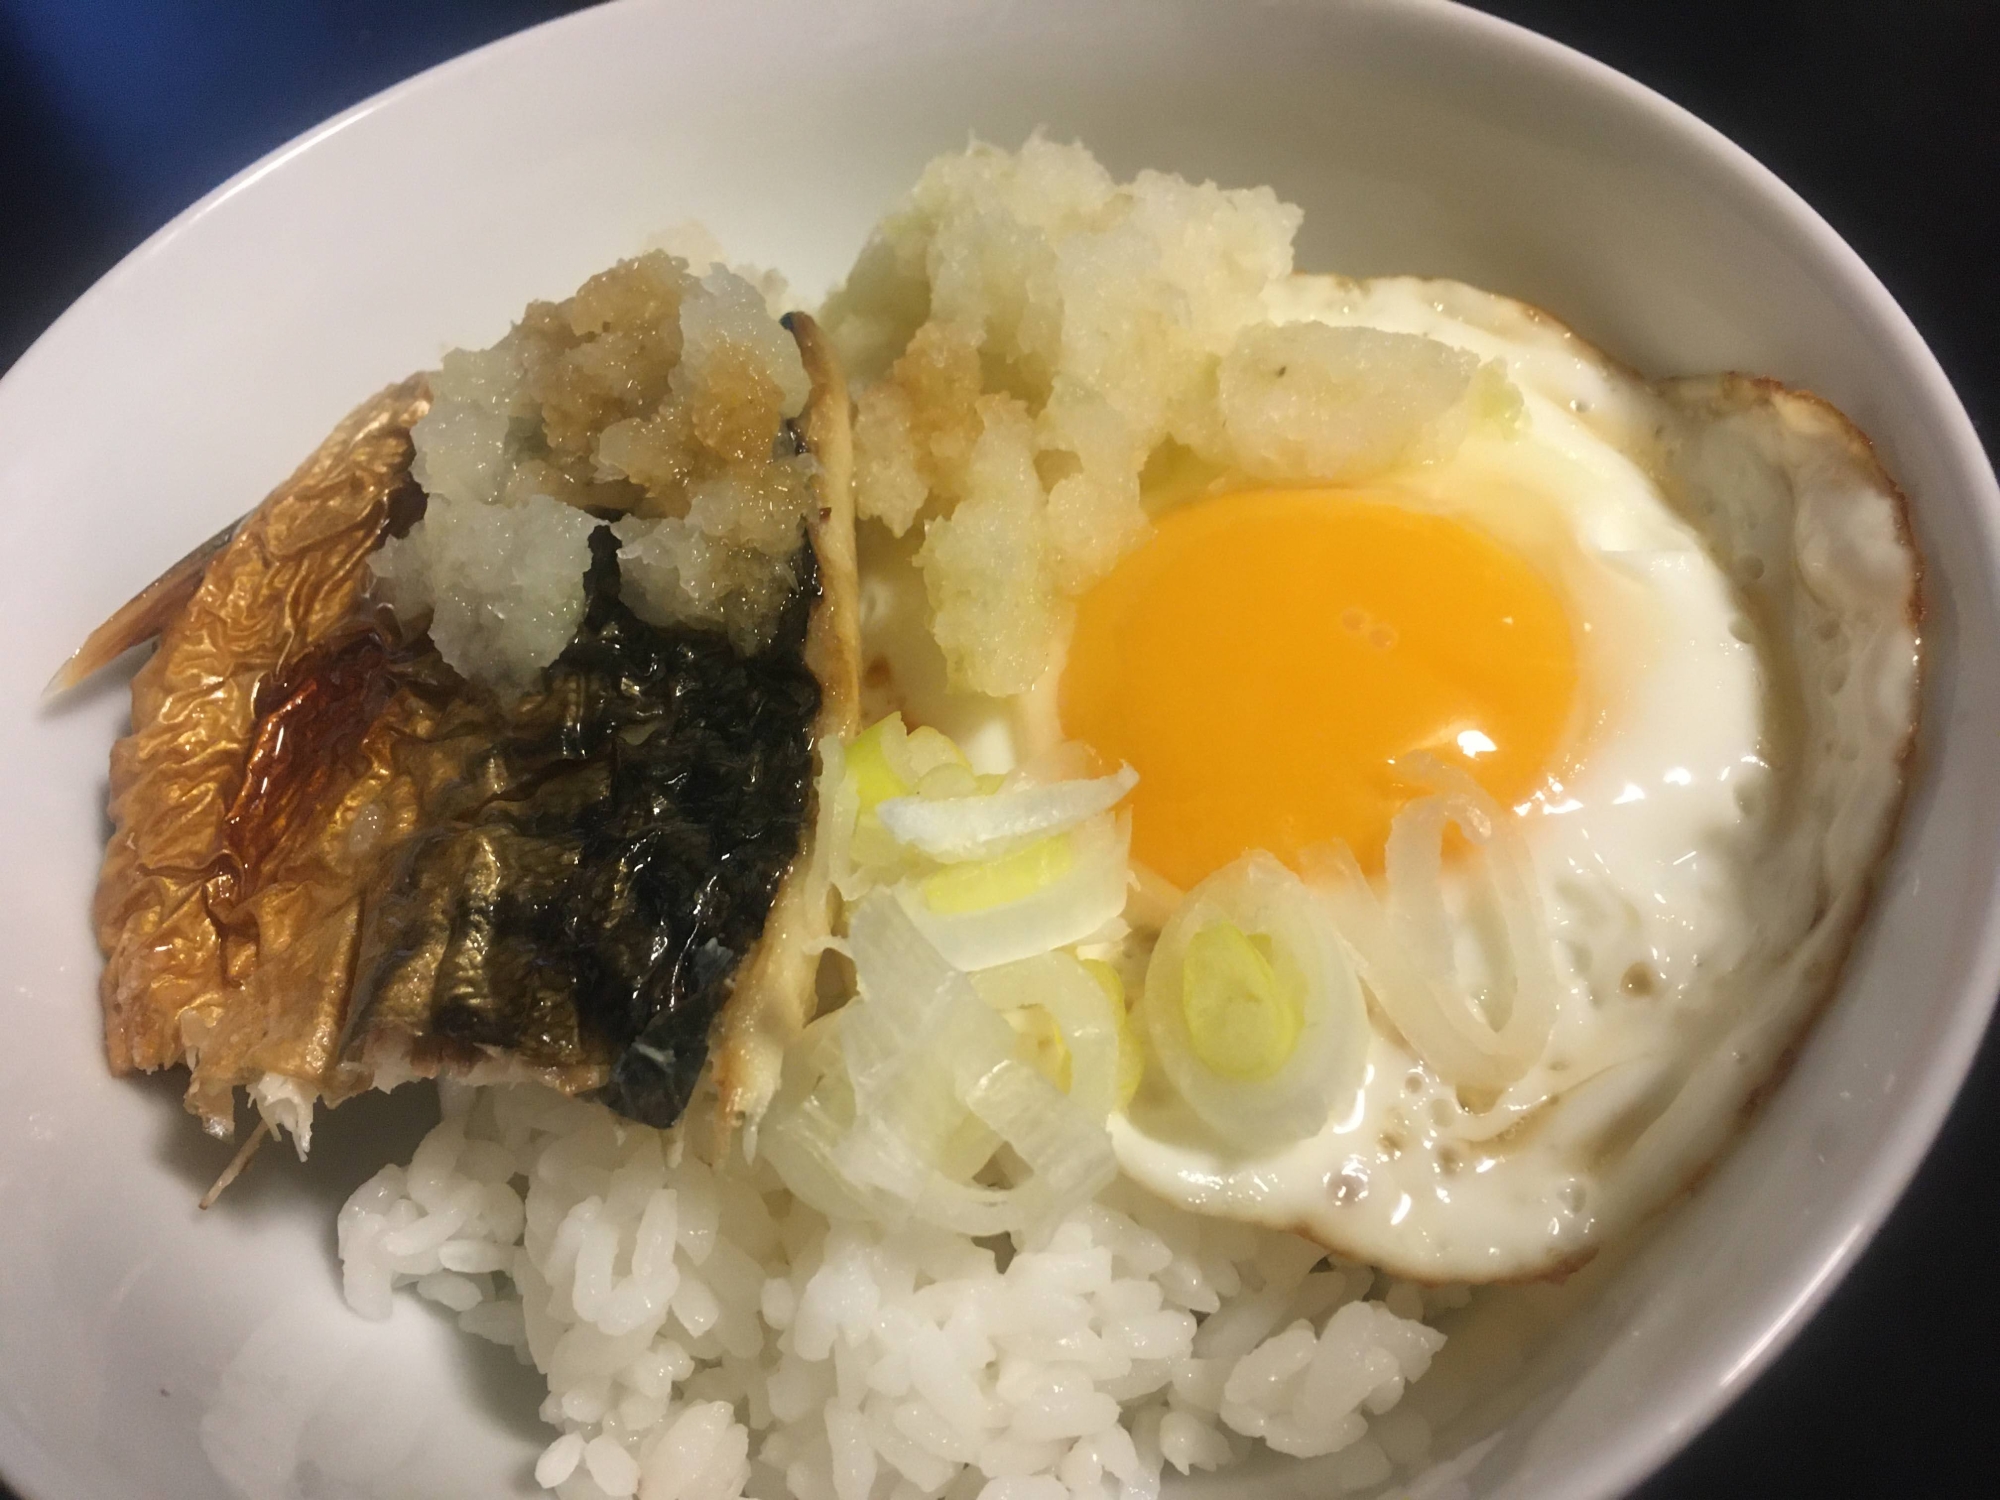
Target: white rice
[{"x": 704, "y": 1336}]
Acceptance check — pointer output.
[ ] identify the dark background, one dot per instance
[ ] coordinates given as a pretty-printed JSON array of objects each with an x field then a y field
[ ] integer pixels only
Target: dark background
[{"x": 115, "y": 114}]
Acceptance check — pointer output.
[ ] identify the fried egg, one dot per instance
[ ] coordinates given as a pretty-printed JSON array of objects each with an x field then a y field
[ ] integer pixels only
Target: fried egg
[{"x": 1671, "y": 629}]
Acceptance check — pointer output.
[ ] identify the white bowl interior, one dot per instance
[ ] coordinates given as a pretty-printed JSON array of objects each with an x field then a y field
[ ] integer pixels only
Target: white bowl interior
[{"x": 151, "y": 1349}]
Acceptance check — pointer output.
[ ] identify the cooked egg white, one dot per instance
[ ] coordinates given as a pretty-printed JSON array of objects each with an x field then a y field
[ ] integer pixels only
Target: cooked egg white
[{"x": 1669, "y": 821}]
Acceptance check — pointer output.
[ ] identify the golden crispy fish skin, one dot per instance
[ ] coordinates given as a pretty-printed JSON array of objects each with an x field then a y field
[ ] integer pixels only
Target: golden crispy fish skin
[
  {"x": 291, "y": 743},
  {"x": 181, "y": 934},
  {"x": 285, "y": 742}
]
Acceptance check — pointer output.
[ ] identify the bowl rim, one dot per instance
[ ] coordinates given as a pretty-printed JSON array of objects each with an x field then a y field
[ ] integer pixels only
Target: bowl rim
[
  {"x": 1692, "y": 1402},
  {"x": 1870, "y": 1198}
]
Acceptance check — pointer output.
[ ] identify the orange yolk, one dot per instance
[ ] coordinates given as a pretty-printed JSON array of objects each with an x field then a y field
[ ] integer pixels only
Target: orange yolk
[{"x": 1265, "y": 659}]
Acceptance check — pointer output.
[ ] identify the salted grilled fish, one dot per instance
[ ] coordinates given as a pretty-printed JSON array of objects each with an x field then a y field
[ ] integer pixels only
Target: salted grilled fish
[{"x": 335, "y": 864}]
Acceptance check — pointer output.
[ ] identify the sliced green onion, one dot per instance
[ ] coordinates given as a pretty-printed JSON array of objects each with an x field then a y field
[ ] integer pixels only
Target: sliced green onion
[
  {"x": 1253, "y": 1009},
  {"x": 875, "y": 779},
  {"x": 1403, "y": 945},
  {"x": 1056, "y": 993},
  {"x": 959, "y": 889},
  {"x": 892, "y": 1107},
  {"x": 1027, "y": 902},
  {"x": 1131, "y": 1051},
  {"x": 970, "y": 824},
  {"x": 1243, "y": 1012}
]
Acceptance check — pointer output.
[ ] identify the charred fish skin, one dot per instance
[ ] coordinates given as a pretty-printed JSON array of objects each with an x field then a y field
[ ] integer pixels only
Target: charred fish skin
[
  {"x": 748, "y": 780},
  {"x": 616, "y": 859}
]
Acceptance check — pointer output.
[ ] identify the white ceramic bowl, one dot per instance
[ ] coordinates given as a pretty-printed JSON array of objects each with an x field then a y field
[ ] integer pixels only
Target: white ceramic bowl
[{"x": 147, "y": 1349}]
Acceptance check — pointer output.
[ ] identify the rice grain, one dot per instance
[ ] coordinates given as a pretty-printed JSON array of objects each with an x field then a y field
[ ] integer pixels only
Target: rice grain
[{"x": 702, "y": 1332}]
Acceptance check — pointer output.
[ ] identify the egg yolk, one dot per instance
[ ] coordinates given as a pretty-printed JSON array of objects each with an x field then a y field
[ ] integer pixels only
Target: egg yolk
[{"x": 1267, "y": 657}]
